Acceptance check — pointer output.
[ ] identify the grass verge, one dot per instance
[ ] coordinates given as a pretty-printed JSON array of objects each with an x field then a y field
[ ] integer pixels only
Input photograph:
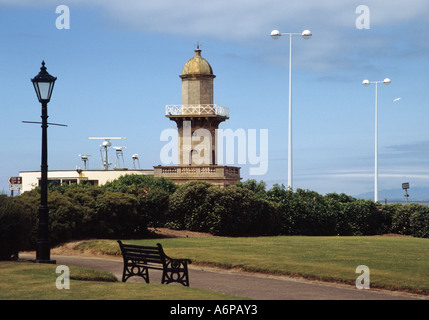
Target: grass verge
[
  {"x": 395, "y": 263},
  {"x": 32, "y": 281}
]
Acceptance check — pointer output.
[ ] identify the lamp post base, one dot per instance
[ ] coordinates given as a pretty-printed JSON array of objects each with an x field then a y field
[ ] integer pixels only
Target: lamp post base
[
  {"x": 43, "y": 251},
  {"x": 46, "y": 261}
]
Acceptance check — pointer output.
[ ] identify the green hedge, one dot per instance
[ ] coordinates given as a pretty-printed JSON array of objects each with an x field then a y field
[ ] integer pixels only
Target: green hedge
[
  {"x": 125, "y": 208},
  {"x": 120, "y": 209},
  {"x": 410, "y": 219},
  {"x": 15, "y": 227},
  {"x": 232, "y": 211},
  {"x": 199, "y": 206}
]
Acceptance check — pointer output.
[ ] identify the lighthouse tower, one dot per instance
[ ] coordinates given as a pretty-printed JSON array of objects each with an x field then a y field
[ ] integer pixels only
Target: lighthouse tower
[{"x": 197, "y": 120}]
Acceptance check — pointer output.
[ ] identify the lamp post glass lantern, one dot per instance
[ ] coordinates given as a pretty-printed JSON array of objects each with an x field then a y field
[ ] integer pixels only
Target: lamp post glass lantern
[
  {"x": 275, "y": 34},
  {"x": 44, "y": 84}
]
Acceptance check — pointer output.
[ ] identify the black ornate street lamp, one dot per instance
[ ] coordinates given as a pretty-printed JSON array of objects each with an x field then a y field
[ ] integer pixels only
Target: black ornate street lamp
[{"x": 44, "y": 84}]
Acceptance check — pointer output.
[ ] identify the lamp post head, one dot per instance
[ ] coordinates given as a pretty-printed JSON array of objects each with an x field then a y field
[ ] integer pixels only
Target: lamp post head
[
  {"x": 43, "y": 84},
  {"x": 365, "y": 83},
  {"x": 275, "y": 34},
  {"x": 386, "y": 81},
  {"x": 306, "y": 34}
]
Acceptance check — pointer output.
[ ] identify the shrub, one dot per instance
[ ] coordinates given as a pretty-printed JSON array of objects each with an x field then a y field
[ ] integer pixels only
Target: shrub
[
  {"x": 190, "y": 206},
  {"x": 314, "y": 216},
  {"x": 132, "y": 182},
  {"x": 71, "y": 212},
  {"x": 419, "y": 221},
  {"x": 78, "y": 212},
  {"x": 287, "y": 204},
  {"x": 153, "y": 204},
  {"x": 303, "y": 212},
  {"x": 258, "y": 188},
  {"x": 360, "y": 217},
  {"x": 15, "y": 227},
  {"x": 116, "y": 215},
  {"x": 153, "y": 195},
  {"x": 388, "y": 212},
  {"x": 265, "y": 218},
  {"x": 232, "y": 211},
  {"x": 401, "y": 218},
  {"x": 65, "y": 216},
  {"x": 342, "y": 197},
  {"x": 125, "y": 207}
]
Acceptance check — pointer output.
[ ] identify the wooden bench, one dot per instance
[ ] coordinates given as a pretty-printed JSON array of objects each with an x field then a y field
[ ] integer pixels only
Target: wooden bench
[{"x": 139, "y": 259}]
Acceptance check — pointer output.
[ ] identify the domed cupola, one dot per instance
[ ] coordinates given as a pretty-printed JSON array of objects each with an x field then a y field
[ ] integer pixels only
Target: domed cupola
[
  {"x": 197, "y": 81},
  {"x": 197, "y": 66}
]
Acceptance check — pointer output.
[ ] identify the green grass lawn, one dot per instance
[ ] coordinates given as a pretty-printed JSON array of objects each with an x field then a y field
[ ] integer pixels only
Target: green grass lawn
[
  {"x": 32, "y": 281},
  {"x": 398, "y": 263}
]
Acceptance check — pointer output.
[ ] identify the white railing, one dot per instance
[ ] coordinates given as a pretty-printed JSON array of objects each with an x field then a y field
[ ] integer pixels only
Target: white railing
[
  {"x": 199, "y": 170},
  {"x": 196, "y": 109}
]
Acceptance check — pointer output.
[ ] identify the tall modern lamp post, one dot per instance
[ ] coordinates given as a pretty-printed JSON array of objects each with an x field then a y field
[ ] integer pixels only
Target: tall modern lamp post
[
  {"x": 366, "y": 83},
  {"x": 44, "y": 84},
  {"x": 275, "y": 34}
]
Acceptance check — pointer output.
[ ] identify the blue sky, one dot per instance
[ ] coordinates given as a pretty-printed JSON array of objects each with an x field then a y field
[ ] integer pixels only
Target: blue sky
[{"x": 119, "y": 64}]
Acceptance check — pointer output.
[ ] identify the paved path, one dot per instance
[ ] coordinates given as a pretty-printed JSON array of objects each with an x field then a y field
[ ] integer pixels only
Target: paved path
[{"x": 241, "y": 284}]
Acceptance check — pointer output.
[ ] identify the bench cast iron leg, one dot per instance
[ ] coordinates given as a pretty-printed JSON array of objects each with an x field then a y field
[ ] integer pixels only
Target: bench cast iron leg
[
  {"x": 175, "y": 276},
  {"x": 130, "y": 271}
]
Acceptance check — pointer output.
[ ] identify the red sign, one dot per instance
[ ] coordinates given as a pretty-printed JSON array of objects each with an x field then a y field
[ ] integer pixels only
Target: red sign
[{"x": 15, "y": 180}]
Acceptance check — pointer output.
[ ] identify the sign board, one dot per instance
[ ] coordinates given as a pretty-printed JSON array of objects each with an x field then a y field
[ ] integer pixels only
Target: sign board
[
  {"x": 15, "y": 180},
  {"x": 14, "y": 187},
  {"x": 15, "y": 183},
  {"x": 405, "y": 185}
]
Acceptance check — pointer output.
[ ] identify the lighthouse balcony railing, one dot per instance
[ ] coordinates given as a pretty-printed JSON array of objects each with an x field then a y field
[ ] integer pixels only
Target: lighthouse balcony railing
[{"x": 197, "y": 109}]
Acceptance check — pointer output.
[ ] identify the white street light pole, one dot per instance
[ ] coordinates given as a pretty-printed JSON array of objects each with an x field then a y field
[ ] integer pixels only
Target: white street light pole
[
  {"x": 366, "y": 83},
  {"x": 275, "y": 34}
]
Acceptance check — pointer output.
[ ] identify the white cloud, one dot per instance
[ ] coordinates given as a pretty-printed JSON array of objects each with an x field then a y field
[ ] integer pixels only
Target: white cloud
[
  {"x": 238, "y": 19},
  {"x": 336, "y": 43},
  {"x": 250, "y": 21},
  {"x": 245, "y": 18}
]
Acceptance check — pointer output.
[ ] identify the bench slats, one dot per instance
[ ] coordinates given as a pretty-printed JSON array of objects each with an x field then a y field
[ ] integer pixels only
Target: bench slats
[
  {"x": 143, "y": 253},
  {"x": 144, "y": 260},
  {"x": 142, "y": 250}
]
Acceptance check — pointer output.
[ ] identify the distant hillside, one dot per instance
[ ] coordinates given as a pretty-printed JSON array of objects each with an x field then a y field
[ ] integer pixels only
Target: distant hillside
[{"x": 393, "y": 195}]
